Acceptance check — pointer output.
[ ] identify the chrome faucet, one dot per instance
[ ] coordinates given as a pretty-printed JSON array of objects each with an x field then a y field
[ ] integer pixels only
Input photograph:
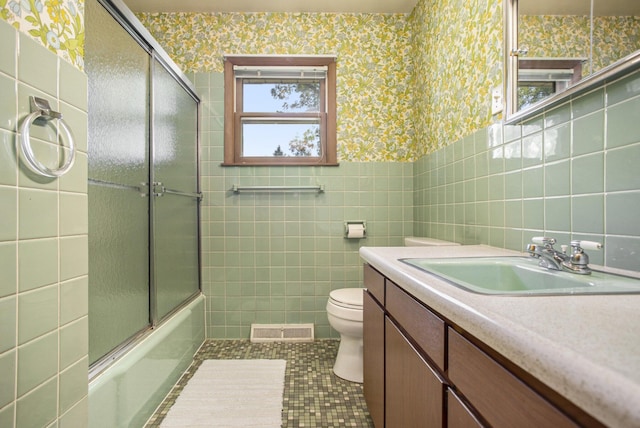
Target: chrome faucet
[{"x": 550, "y": 258}]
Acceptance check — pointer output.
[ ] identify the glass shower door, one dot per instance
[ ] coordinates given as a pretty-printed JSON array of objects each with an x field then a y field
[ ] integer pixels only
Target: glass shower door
[
  {"x": 175, "y": 203},
  {"x": 143, "y": 185},
  {"x": 118, "y": 163}
]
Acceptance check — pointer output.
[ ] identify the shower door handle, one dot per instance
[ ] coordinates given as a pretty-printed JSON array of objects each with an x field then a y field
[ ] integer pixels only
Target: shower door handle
[
  {"x": 140, "y": 189},
  {"x": 160, "y": 190}
]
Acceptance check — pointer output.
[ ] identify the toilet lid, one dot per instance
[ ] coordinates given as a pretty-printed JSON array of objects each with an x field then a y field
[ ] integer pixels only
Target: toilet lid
[{"x": 347, "y": 297}]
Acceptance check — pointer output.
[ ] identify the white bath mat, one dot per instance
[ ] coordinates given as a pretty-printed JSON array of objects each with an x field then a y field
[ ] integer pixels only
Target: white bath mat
[{"x": 231, "y": 393}]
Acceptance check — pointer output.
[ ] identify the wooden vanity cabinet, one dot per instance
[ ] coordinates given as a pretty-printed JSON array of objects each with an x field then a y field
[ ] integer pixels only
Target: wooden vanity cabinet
[
  {"x": 373, "y": 344},
  {"x": 423, "y": 371},
  {"x": 403, "y": 386},
  {"x": 501, "y": 398},
  {"x": 414, "y": 362}
]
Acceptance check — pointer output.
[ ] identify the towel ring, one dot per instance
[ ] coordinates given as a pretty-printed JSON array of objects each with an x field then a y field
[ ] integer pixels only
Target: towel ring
[{"x": 41, "y": 115}]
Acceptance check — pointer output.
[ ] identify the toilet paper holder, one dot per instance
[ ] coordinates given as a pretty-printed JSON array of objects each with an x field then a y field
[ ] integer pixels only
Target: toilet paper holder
[{"x": 356, "y": 229}]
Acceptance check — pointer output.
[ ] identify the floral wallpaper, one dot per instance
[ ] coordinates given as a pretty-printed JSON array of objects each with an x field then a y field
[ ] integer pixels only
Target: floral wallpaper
[
  {"x": 614, "y": 37},
  {"x": 56, "y": 24},
  {"x": 457, "y": 50},
  {"x": 374, "y": 65},
  {"x": 407, "y": 85}
]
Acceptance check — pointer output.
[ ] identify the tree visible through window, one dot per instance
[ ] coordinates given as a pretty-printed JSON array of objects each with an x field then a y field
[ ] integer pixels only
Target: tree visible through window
[
  {"x": 307, "y": 97},
  {"x": 530, "y": 93},
  {"x": 280, "y": 111}
]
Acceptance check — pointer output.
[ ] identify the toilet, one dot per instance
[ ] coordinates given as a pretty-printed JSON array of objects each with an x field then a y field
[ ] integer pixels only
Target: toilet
[{"x": 344, "y": 310}]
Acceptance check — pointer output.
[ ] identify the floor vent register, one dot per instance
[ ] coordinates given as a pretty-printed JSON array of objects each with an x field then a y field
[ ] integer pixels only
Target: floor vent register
[{"x": 282, "y": 333}]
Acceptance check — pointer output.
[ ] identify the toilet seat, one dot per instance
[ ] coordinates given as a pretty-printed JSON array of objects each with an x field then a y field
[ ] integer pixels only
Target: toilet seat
[{"x": 349, "y": 298}]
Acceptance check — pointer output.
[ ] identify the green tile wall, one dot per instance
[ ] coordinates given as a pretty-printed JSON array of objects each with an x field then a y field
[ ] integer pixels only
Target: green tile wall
[
  {"x": 274, "y": 257},
  {"x": 43, "y": 230},
  {"x": 571, "y": 173}
]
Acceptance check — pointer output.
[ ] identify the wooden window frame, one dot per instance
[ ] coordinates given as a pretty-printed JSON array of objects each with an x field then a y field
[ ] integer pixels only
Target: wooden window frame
[{"x": 232, "y": 117}]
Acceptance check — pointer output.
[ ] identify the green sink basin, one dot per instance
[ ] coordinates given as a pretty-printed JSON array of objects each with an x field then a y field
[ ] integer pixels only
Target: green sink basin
[{"x": 521, "y": 276}]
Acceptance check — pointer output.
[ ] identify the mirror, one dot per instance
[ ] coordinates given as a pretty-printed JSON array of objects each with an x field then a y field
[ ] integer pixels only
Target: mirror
[{"x": 557, "y": 48}]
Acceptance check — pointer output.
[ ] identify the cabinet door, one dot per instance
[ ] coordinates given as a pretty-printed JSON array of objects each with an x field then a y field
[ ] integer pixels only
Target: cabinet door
[
  {"x": 414, "y": 395},
  {"x": 502, "y": 399},
  {"x": 373, "y": 355},
  {"x": 458, "y": 414}
]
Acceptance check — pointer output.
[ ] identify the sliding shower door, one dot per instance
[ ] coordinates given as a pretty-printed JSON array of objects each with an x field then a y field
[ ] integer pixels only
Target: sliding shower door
[
  {"x": 143, "y": 184},
  {"x": 175, "y": 172},
  {"x": 118, "y": 164}
]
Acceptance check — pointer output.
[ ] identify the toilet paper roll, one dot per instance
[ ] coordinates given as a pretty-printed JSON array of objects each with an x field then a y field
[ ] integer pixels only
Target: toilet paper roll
[{"x": 355, "y": 230}]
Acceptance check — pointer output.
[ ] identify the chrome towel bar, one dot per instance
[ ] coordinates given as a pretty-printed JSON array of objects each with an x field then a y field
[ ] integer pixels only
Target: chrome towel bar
[{"x": 237, "y": 189}]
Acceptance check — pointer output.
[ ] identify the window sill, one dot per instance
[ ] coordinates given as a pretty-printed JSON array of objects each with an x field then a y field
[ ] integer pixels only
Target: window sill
[{"x": 279, "y": 164}]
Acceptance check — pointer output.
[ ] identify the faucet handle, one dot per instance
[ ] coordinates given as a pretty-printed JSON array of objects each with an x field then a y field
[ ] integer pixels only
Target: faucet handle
[
  {"x": 543, "y": 240},
  {"x": 586, "y": 245},
  {"x": 579, "y": 261}
]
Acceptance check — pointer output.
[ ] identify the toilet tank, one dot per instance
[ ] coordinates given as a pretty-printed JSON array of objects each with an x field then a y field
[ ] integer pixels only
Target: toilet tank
[{"x": 413, "y": 241}]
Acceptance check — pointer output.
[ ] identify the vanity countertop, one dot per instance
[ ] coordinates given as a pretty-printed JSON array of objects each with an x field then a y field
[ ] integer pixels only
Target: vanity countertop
[{"x": 586, "y": 347}]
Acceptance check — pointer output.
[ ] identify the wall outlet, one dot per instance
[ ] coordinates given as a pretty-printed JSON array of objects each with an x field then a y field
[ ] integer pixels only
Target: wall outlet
[{"x": 496, "y": 101}]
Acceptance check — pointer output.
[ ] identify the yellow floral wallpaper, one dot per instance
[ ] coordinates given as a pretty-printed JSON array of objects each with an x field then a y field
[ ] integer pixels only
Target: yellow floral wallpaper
[
  {"x": 56, "y": 24},
  {"x": 614, "y": 37},
  {"x": 457, "y": 50},
  {"x": 373, "y": 67},
  {"x": 407, "y": 85}
]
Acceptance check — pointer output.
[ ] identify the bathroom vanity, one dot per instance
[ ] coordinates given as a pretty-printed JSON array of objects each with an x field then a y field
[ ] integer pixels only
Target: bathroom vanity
[{"x": 437, "y": 355}]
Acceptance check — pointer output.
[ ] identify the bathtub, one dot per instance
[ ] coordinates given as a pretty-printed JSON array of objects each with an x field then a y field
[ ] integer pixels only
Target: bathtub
[{"x": 127, "y": 393}]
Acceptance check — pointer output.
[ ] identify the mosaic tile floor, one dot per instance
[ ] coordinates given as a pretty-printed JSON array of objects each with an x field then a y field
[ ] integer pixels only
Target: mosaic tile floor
[{"x": 313, "y": 395}]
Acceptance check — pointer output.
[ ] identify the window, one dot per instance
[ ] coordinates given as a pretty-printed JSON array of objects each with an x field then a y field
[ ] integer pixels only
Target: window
[{"x": 280, "y": 110}]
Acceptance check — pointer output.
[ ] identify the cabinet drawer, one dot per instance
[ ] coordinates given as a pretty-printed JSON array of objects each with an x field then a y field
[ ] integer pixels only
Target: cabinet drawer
[
  {"x": 374, "y": 282},
  {"x": 502, "y": 399},
  {"x": 424, "y": 327}
]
